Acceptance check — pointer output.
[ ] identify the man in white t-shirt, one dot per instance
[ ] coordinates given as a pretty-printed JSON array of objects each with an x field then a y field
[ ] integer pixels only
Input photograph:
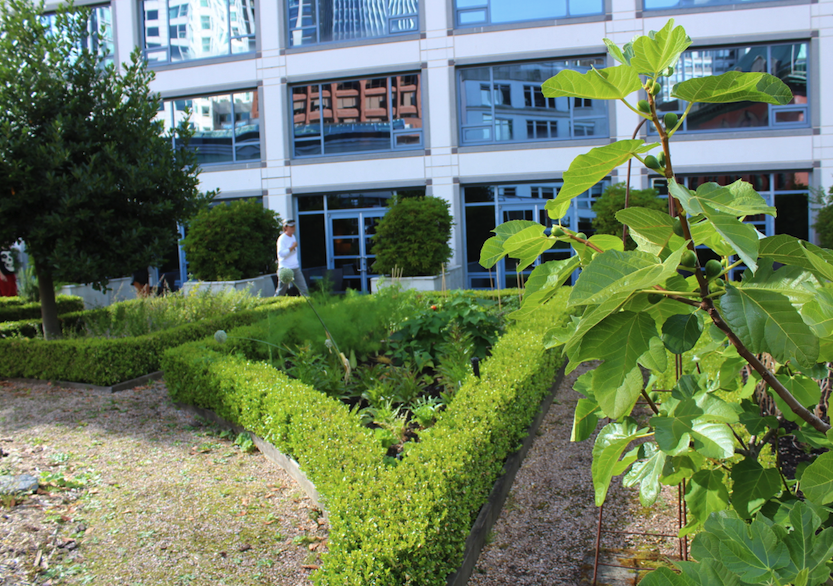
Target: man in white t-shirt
[{"x": 288, "y": 258}]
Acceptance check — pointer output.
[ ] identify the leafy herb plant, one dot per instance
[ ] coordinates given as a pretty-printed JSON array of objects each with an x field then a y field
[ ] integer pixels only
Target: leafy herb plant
[{"x": 649, "y": 307}]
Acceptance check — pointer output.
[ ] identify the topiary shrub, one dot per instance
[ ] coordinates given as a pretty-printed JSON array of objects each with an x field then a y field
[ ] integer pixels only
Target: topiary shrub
[
  {"x": 413, "y": 237},
  {"x": 232, "y": 242},
  {"x": 613, "y": 200}
]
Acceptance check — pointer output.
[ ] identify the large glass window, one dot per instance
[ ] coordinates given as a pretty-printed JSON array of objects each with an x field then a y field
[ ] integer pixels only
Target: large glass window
[
  {"x": 322, "y": 21},
  {"x": 99, "y": 29},
  {"x": 504, "y": 103},
  {"x": 361, "y": 115},
  {"x": 671, "y": 4},
  {"x": 182, "y": 30},
  {"x": 486, "y": 206},
  {"x": 483, "y": 12},
  {"x": 786, "y": 61},
  {"x": 226, "y": 126}
]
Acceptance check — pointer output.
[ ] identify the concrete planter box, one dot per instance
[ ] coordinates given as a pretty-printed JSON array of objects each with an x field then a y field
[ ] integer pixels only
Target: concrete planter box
[
  {"x": 262, "y": 286},
  {"x": 453, "y": 280},
  {"x": 117, "y": 290}
]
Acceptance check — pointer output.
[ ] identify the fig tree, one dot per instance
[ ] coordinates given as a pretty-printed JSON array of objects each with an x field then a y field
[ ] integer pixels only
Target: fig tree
[
  {"x": 652, "y": 163},
  {"x": 678, "y": 228},
  {"x": 713, "y": 268},
  {"x": 654, "y": 298}
]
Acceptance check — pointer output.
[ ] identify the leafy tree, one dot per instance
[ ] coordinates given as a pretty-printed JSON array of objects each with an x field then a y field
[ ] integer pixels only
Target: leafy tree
[
  {"x": 231, "y": 242},
  {"x": 637, "y": 309},
  {"x": 88, "y": 179},
  {"x": 413, "y": 236},
  {"x": 824, "y": 219},
  {"x": 613, "y": 199}
]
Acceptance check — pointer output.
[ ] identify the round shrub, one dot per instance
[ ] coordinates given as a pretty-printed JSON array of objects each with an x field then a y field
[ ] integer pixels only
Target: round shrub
[
  {"x": 613, "y": 200},
  {"x": 413, "y": 237},
  {"x": 229, "y": 242}
]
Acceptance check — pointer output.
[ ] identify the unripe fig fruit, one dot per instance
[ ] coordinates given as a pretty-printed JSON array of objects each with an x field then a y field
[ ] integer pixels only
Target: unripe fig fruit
[
  {"x": 652, "y": 163},
  {"x": 557, "y": 231},
  {"x": 661, "y": 159},
  {"x": 713, "y": 268},
  {"x": 716, "y": 285},
  {"x": 581, "y": 236},
  {"x": 644, "y": 106},
  {"x": 654, "y": 298},
  {"x": 670, "y": 120},
  {"x": 655, "y": 89},
  {"x": 688, "y": 259},
  {"x": 678, "y": 227}
]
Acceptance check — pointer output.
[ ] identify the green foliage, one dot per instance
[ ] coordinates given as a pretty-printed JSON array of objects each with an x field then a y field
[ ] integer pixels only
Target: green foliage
[
  {"x": 413, "y": 237},
  {"x": 16, "y": 309},
  {"x": 824, "y": 219},
  {"x": 110, "y": 361},
  {"x": 390, "y": 524},
  {"x": 613, "y": 200},
  {"x": 93, "y": 183},
  {"x": 707, "y": 430},
  {"x": 232, "y": 242}
]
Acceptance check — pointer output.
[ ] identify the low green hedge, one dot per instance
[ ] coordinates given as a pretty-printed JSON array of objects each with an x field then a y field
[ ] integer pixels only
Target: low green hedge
[
  {"x": 105, "y": 361},
  {"x": 390, "y": 525},
  {"x": 14, "y": 309}
]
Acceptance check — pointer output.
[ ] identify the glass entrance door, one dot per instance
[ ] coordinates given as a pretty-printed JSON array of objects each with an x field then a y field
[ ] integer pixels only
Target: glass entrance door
[{"x": 350, "y": 246}]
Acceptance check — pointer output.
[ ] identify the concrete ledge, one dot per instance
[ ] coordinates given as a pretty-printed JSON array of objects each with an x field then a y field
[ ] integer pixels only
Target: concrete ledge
[{"x": 122, "y": 386}]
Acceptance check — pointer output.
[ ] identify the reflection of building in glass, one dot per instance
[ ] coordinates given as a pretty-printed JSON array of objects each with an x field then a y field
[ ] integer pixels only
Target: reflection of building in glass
[
  {"x": 323, "y": 21},
  {"x": 505, "y": 104},
  {"x": 181, "y": 30},
  {"x": 785, "y": 61},
  {"x": 358, "y": 115},
  {"x": 99, "y": 29}
]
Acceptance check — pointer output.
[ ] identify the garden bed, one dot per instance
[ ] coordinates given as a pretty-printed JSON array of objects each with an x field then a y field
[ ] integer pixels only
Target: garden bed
[
  {"x": 111, "y": 355},
  {"x": 400, "y": 521}
]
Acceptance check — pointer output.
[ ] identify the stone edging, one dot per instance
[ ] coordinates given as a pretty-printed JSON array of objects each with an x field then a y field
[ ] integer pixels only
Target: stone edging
[
  {"x": 489, "y": 512},
  {"x": 122, "y": 386}
]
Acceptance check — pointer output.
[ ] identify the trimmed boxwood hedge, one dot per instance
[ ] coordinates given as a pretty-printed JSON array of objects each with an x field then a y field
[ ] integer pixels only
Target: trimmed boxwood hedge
[
  {"x": 390, "y": 525},
  {"x": 14, "y": 309},
  {"x": 106, "y": 361}
]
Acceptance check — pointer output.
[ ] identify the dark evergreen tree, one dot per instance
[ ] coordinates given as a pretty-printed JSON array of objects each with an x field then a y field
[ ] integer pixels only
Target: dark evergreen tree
[{"x": 88, "y": 178}]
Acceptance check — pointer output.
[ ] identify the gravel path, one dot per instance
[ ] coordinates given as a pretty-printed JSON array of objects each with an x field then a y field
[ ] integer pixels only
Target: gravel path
[{"x": 546, "y": 532}]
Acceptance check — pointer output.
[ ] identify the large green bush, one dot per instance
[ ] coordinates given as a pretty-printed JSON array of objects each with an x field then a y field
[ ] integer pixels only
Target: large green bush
[
  {"x": 392, "y": 525},
  {"x": 613, "y": 200},
  {"x": 232, "y": 242},
  {"x": 413, "y": 237}
]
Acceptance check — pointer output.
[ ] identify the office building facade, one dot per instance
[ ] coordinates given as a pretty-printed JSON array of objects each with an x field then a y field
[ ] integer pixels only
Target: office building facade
[{"x": 324, "y": 109}]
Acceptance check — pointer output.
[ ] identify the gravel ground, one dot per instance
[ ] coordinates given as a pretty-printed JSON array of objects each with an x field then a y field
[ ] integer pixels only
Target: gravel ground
[
  {"x": 546, "y": 532},
  {"x": 141, "y": 493}
]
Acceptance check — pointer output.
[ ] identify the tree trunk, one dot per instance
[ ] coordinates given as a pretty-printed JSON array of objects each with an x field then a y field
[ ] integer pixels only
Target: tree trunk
[{"x": 48, "y": 305}]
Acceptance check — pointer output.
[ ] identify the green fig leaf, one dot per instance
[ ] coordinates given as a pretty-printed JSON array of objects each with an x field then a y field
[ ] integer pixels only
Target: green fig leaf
[
  {"x": 610, "y": 83},
  {"x": 753, "y": 485},
  {"x": 734, "y": 86},
  {"x": 817, "y": 481},
  {"x": 766, "y": 321},
  {"x": 657, "y": 51},
  {"x": 611, "y": 442},
  {"x": 585, "y": 420},
  {"x": 588, "y": 169},
  {"x": 680, "y": 333}
]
